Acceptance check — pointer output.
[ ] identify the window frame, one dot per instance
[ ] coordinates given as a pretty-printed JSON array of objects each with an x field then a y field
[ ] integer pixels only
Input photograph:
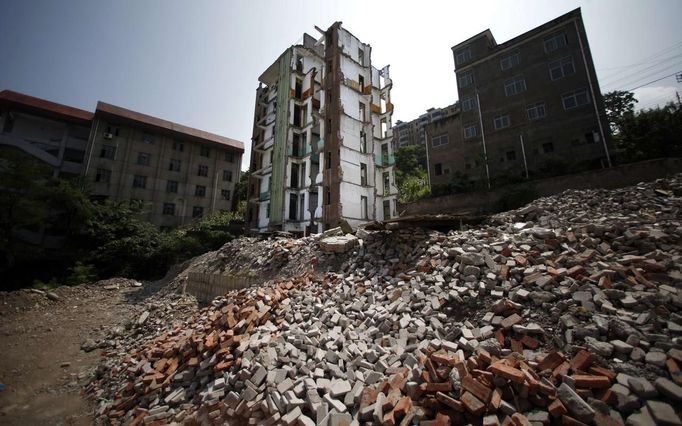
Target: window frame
[
  {"x": 463, "y": 55},
  {"x": 501, "y": 121},
  {"x": 168, "y": 209},
  {"x": 468, "y": 104},
  {"x": 511, "y": 86},
  {"x": 512, "y": 59},
  {"x": 536, "y": 107},
  {"x": 561, "y": 65},
  {"x": 471, "y": 126},
  {"x": 139, "y": 181},
  {"x": 202, "y": 170},
  {"x": 575, "y": 95},
  {"x": 144, "y": 159},
  {"x": 552, "y": 44},
  {"x": 465, "y": 79},
  {"x": 172, "y": 186},
  {"x": 439, "y": 138}
]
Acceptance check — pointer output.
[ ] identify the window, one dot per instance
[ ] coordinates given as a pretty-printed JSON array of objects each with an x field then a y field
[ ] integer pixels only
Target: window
[
  {"x": 174, "y": 165},
  {"x": 361, "y": 82},
  {"x": 509, "y": 61},
  {"x": 592, "y": 137},
  {"x": 169, "y": 209},
  {"x": 178, "y": 146},
  {"x": 555, "y": 42},
  {"x": 103, "y": 176},
  {"x": 361, "y": 56},
  {"x": 536, "y": 111},
  {"x": 439, "y": 140},
  {"x": 229, "y": 157},
  {"x": 501, "y": 121},
  {"x": 547, "y": 147},
  {"x": 363, "y": 174},
  {"x": 439, "y": 169},
  {"x": 143, "y": 158},
  {"x": 363, "y": 142},
  {"x": 197, "y": 211},
  {"x": 561, "y": 68},
  {"x": 267, "y": 210},
  {"x": 172, "y": 186},
  {"x": 203, "y": 170},
  {"x": 465, "y": 79},
  {"x": 227, "y": 175},
  {"x": 462, "y": 56},
  {"x": 468, "y": 104},
  {"x": 293, "y": 207},
  {"x": 575, "y": 99},
  {"x": 328, "y": 160},
  {"x": 511, "y": 155},
  {"x": 200, "y": 191},
  {"x": 148, "y": 139},
  {"x": 139, "y": 181},
  {"x": 387, "y": 209},
  {"x": 108, "y": 152},
  {"x": 363, "y": 207},
  {"x": 514, "y": 86},
  {"x": 387, "y": 182},
  {"x": 225, "y": 194},
  {"x": 113, "y": 130},
  {"x": 204, "y": 151},
  {"x": 361, "y": 111},
  {"x": 469, "y": 131}
]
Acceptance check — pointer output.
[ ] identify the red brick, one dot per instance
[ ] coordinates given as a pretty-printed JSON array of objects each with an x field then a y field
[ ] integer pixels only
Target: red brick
[
  {"x": 449, "y": 401},
  {"x": 600, "y": 371},
  {"x": 570, "y": 421},
  {"x": 582, "y": 361},
  {"x": 472, "y": 404},
  {"x": 556, "y": 409},
  {"x": 479, "y": 390},
  {"x": 520, "y": 420},
  {"x": 551, "y": 361},
  {"x": 591, "y": 382},
  {"x": 507, "y": 372}
]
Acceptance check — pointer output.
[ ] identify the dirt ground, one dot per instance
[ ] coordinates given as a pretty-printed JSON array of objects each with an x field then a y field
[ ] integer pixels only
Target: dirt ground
[{"x": 42, "y": 366}]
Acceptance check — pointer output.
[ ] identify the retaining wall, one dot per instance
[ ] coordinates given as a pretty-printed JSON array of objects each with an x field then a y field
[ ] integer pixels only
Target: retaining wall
[
  {"x": 486, "y": 201},
  {"x": 205, "y": 287}
]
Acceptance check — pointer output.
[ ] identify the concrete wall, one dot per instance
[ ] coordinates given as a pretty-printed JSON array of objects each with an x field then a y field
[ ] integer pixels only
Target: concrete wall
[
  {"x": 205, "y": 287},
  {"x": 485, "y": 201}
]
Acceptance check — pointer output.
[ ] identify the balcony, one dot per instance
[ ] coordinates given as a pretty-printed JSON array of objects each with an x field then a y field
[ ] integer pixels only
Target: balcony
[
  {"x": 385, "y": 160},
  {"x": 307, "y": 149},
  {"x": 264, "y": 196}
]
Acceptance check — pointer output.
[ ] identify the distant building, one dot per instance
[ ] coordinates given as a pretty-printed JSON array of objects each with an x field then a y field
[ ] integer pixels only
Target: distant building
[
  {"x": 527, "y": 104},
  {"x": 180, "y": 173},
  {"x": 321, "y": 146},
  {"x": 414, "y": 132}
]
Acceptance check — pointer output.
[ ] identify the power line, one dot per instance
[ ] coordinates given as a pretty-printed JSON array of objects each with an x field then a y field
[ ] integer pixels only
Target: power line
[
  {"x": 643, "y": 61},
  {"x": 653, "y": 81},
  {"x": 632, "y": 82},
  {"x": 609, "y": 81}
]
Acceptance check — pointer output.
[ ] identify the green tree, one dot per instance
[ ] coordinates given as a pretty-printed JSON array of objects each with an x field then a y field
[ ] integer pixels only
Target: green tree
[
  {"x": 410, "y": 157},
  {"x": 414, "y": 186},
  {"x": 619, "y": 105},
  {"x": 651, "y": 133}
]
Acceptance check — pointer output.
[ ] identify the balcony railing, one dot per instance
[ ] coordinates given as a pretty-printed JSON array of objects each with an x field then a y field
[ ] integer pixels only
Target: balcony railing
[
  {"x": 264, "y": 196},
  {"x": 384, "y": 160}
]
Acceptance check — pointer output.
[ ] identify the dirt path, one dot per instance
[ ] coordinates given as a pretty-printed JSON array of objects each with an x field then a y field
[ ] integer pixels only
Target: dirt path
[{"x": 42, "y": 366}]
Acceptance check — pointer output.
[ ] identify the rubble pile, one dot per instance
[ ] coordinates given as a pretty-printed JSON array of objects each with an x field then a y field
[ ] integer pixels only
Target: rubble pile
[{"x": 568, "y": 310}]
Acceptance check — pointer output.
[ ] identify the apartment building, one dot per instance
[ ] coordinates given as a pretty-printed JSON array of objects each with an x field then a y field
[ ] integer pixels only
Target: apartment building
[
  {"x": 526, "y": 105},
  {"x": 55, "y": 134},
  {"x": 414, "y": 132},
  {"x": 443, "y": 133},
  {"x": 180, "y": 173},
  {"x": 321, "y": 145}
]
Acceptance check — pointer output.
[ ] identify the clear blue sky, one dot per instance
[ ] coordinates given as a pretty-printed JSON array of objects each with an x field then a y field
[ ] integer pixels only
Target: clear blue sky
[{"x": 197, "y": 62}]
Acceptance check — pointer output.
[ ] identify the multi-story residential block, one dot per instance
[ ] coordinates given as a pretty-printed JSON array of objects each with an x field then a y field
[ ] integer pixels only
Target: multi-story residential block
[
  {"x": 180, "y": 173},
  {"x": 55, "y": 134},
  {"x": 414, "y": 132},
  {"x": 321, "y": 146},
  {"x": 527, "y": 104},
  {"x": 442, "y": 133}
]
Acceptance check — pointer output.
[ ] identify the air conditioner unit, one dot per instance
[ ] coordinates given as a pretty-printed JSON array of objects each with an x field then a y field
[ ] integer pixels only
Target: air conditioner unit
[{"x": 108, "y": 136}]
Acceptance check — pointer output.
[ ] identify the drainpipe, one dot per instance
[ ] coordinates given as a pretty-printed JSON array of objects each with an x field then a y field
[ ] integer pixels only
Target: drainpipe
[
  {"x": 485, "y": 152},
  {"x": 523, "y": 152},
  {"x": 594, "y": 99},
  {"x": 91, "y": 142},
  {"x": 428, "y": 163}
]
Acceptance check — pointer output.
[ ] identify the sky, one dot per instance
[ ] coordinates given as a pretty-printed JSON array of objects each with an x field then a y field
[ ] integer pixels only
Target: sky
[{"x": 198, "y": 62}]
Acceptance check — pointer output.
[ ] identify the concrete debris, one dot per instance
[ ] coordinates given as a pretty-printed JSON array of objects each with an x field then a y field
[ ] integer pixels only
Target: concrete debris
[{"x": 566, "y": 311}]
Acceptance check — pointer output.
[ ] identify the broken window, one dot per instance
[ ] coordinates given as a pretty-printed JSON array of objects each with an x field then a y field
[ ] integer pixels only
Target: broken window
[
  {"x": 363, "y": 207},
  {"x": 293, "y": 206},
  {"x": 387, "y": 209},
  {"x": 363, "y": 174},
  {"x": 225, "y": 194},
  {"x": 361, "y": 113}
]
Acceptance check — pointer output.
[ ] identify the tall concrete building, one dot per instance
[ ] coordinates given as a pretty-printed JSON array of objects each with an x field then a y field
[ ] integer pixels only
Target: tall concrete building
[
  {"x": 526, "y": 104},
  {"x": 321, "y": 145},
  {"x": 180, "y": 173}
]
